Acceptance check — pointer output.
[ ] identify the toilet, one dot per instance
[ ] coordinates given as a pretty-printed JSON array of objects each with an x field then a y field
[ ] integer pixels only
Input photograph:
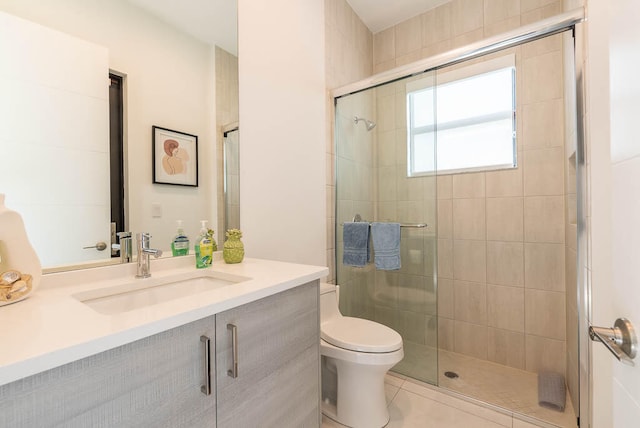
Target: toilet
[{"x": 356, "y": 355}]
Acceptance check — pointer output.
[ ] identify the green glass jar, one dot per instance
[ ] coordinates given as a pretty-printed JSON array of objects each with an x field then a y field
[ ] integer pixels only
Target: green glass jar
[{"x": 233, "y": 249}]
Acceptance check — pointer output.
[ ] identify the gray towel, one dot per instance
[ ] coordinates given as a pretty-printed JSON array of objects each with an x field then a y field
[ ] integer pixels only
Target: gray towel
[
  {"x": 551, "y": 391},
  {"x": 355, "y": 237},
  {"x": 386, "y": 245}
]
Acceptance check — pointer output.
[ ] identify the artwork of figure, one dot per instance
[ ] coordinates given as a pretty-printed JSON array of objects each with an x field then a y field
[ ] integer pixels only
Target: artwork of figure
[{"x": 175, "y": 159}]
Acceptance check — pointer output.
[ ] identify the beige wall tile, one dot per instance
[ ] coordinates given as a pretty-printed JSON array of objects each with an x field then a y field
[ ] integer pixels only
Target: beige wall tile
[
  {"x": 505, "y": 219},
  {"x": 445, "y": 298},
  {"x": 384, "y": 66},
  {"x": 469, "y": 219},
  {"x": 445, "y": 218},
  {"x": 542, "y": 46},
  {"x": 387, "y": 211},
  {"x": 446, "y": 334},
  {"x": 505, "y": 263},
  {"x": 467, "y": 38},
  {"x": 384, "y": 46},
  {"x": 469, "y": 185},
  {"x": 543, "y": 124},
  {"x": 385, "y": 112},
  {"x": 409, "y": 189},
  {"x": 408, "y": 37},
  {"x": 544, "y": 266},
  {"x": 542, "y": 78},
  {"x": 431, "y": 331},
  {"x": 412, "y": 326},
  {"x": 466, "y": 16},
  {"x": 470, "y": 339},
  {"x": 386, "y": 183},
  {"x": 499, "y": 10},
  {"x": 505, "y": 307},
  {"x": 544, "y": 172},
  {"x": 571, "y": 285},
  {"x": 507, "y": 182},
  {"x": 443, "y": 23},
  {"x": 430, "y": 256},
  {"x": 545, "y": 314},
  {"x": 547, "y": 10},
  {"x": 445, "y": 258},
  {"x": 469, "y": 260},
  {"x": 470, "y": 302},
  {"x": 544, "y": 354},
  {"x": 544, "y": 219},
  {"x": 445, "y": 186},
  {"x": 503, "y": 26},
  {"x": 409, "y": 58},
  {"x": 386, "y": 148},
  {"x": 415, "y": 293},
  {"x": 506, "y": 347},
  {"x": 428, "y": 27}
]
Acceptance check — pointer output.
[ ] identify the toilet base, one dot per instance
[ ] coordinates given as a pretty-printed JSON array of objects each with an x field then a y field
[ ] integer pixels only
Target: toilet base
[{"x": 361, "y": 400}]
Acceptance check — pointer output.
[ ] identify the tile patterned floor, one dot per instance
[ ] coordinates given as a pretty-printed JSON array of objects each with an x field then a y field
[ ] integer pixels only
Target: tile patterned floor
[
  {"x": 513, "y": 389},
  {"x": 413, "y": 404}
]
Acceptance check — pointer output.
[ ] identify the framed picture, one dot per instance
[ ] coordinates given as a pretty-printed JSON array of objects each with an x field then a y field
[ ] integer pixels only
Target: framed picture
[{"x": 175, "y": 157}]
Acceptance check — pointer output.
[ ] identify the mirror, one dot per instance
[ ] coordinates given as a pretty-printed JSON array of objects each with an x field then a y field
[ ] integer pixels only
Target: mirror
[{"x": 178, "y": 64}]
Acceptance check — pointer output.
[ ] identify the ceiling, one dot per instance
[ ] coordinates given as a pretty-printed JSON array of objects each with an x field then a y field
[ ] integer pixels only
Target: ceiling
[
  {"x": 215, "y": 21},
  {"x": 211, "y": 21},
  {"x": 379, "y": 15}
]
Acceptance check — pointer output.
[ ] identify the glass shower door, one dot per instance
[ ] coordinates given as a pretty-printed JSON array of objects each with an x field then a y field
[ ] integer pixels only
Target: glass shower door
[{"x": 385, "y": 172}]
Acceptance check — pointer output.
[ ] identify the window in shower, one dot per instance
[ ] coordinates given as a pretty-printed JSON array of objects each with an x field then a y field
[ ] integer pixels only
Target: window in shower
[{"x": 474, "y": 135}]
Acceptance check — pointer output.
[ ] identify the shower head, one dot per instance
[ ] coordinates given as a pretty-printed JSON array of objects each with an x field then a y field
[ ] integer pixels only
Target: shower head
[{"x": 370, "y": 124}]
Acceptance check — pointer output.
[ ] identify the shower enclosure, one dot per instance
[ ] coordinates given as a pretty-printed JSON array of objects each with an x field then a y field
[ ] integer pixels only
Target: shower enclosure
[{"x": 483, "y": 151}]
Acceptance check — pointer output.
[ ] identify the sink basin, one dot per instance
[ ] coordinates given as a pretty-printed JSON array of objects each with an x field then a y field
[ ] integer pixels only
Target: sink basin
[{"x": 141, "y": 293}]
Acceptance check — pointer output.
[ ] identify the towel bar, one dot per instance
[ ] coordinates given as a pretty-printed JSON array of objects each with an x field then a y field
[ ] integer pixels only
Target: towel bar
[
  {"x": 357, "y": 219},
  {"x": 416, "y": 225}
]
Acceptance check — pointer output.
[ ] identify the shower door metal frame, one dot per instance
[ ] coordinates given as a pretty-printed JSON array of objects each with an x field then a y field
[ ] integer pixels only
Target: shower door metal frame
[{"x": 557, "y": 24}]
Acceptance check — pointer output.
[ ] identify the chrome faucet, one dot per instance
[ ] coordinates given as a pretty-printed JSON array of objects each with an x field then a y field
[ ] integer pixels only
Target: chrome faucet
[
  {"x": 124, "y": 245},
  {"x": 143, "y": 252}
]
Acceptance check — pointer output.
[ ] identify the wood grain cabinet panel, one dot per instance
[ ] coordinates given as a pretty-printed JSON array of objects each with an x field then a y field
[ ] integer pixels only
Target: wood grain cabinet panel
[
  {"x": 153, "y": 382},
  {"x": 277, "y": 383}
]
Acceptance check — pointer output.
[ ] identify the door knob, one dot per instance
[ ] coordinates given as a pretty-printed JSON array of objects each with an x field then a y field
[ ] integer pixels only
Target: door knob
[
  {"x": 100, "y": 246},
  {"x": 621, "y": 340}
]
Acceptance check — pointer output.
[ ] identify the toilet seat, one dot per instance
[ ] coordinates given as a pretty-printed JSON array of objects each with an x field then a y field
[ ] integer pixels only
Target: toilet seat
[{"x": 357, "y": 334}]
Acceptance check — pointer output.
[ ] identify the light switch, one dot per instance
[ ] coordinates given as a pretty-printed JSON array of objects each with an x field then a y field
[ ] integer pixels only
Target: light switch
[{"x": 156, "y": 210}]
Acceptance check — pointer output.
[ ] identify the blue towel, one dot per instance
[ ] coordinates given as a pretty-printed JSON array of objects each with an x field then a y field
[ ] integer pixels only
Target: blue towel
[
  {"x": 355, "y": 237},
  {"x": 386, "y": 245}
]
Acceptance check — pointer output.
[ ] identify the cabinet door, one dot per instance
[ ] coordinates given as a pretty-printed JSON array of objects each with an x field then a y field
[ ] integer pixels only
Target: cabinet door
[
  {"x": 277, "y": 383},
  {"x": 153, "y": 382}
]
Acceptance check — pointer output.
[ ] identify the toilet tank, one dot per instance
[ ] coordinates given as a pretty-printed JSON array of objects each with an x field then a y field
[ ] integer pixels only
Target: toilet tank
[{"x": 329, "y": 302}]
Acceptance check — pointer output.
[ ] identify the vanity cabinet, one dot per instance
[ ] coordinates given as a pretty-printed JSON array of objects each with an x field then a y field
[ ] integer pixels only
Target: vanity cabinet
[
  {"x": 156, "y": 381},
  {"x": 276, "y": 383},
  {"x": 153, "y": 382}
]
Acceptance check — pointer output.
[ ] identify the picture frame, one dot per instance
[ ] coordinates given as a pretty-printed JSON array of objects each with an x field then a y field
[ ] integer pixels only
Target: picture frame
[{"x": 175, "y": 157}]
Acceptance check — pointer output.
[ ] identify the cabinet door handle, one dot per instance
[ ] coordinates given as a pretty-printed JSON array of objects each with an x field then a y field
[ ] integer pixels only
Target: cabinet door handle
[
  {"x": 206, "y": 388},
  {"x": 234, "y": 350}
]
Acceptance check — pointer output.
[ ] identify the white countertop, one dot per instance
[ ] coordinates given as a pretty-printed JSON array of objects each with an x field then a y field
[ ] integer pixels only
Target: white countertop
[{"x": 52, "y": 328}]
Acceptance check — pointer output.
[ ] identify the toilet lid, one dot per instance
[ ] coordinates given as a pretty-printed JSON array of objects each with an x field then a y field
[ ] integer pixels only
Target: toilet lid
[{"x": 362, "y": 335}]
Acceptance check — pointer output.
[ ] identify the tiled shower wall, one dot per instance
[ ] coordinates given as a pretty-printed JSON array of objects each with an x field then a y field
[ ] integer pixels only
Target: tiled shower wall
[
  {"x": 452, "y": 25},
  {"x": 502, "y": 247},
  {"x": 349, "y": 58},
  {"x": 501, "y": 255}
]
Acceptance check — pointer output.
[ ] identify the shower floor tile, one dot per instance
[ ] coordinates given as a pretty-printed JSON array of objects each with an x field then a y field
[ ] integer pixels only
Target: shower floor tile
[{"x": 512, "y": 389}]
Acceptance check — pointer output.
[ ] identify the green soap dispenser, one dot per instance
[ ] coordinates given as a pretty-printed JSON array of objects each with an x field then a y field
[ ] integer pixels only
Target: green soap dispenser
[
  {"x": 204, "y": 247},
  {"x": 180, "y": 243}
]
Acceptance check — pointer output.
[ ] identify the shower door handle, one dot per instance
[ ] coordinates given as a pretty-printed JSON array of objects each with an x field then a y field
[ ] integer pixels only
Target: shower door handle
[{"x": 620, "y": 340}]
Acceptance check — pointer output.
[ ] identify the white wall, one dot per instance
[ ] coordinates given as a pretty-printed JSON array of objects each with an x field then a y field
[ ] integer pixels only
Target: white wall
[
  {"x": 170, "y": 82},
  {"x": 282, "y": 137}
]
